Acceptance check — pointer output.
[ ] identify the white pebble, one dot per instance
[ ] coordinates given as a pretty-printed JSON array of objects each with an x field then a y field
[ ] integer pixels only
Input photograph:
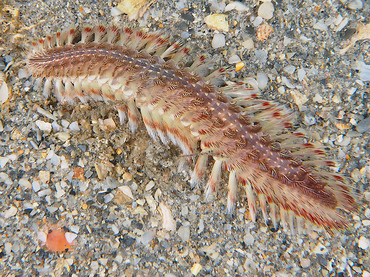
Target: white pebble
[
  {"x": 266, "y": 10},
  {"x": 4, "y": 91},
  {"x": 234, "y": 59},
  {"x": 108, "y": 197},
  {"x": 355, "y": 5},
  {"x": 248, "y": 239},
  {"x": 364, "y": 71},
  {"x": 36, "y": 186},
  {"x": 289, "y": 69},
  {"x": 301, "y": 74},
  {"x": 309, "y": 119},
  {"x": 262, "y": 80},
  {"x": 43, "y": 126},
  {"x": 344, "y": 141},
  {"x": 70, "y": 237},
  {"x": 201, "y": 226},
  {"x": 184, "y": 233},
  {"x": 8, "y": 248},
  {"x": 4, "y": 161},
  {"x": 118, "y": 259},
  {"x": 25, "y": 183},
  {"x": 320, "y": 25},
  {"x": 65, "y": 123},
  {"x": 281, "y": 90},
  {"x": 147, "y": 237},
  {"x": 257, "y": 21},
  {"x": 317, "y": 98},
  {"x": 75, "y": 229},
  {"x": 363, "y": 243},
  {"x": 94, "y": 265},
  {"x": 63, "y": 136},
  {"x": 114, "y": 228},
  {"x": 248, "y": 43},
  {"x": 74, "y": 126},
  {"x": 12, "y": 211},
  {"x": 168, "y": 223},
  {"x": 22, "y": 73},
  {"x": 287, "y": 41},
  {"x": 149, "y": 186},
  {"x": 240, "y": 7},
  {"x": 126, "y": 191},
  {"x": 44, "y": 192},
  {"x": 42, "y": 236},
  {"x": 115, "y": 12},
  {"x": 367, "y": 213},
  {"x": 342, "y": 25},
  {"x": 305, "y": 262},
  {"x": 218, "y": 41},
  {"x": 287, "y": 82}
]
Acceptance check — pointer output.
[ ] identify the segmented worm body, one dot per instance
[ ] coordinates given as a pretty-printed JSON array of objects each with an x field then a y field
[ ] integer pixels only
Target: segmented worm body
[{"x": 251, "y": 138}]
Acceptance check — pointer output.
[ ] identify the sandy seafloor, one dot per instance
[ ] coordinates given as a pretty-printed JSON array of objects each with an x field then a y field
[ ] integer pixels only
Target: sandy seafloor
[{"x": 119, "y": 236}]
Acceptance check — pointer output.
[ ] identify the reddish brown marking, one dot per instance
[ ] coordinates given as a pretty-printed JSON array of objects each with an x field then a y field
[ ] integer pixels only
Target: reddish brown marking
[
  {"x": 245, "y": 120},
  {"x": 222, "y": 98},
  {"x": 218, "y": 122},
  {"x": 242, "y": 143},
  {"x": 234, "y": 108},
  {"x": 230, "y": 133}
]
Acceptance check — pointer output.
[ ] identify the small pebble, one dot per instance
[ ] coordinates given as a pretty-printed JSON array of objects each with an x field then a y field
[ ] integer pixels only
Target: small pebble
[
  {"x": 248, "y": 43},
  {"x": 355, "y": 5},
  {"x": 218, "y": 41},
  {"x": 149, "y": 186},
  {"x": 309, "y": 119},
  {"x": 367, "y": 213},
  {"x": 4, "y": 90},
  {"x": 36, "y": 186},
  {"x": 305, "y": 262},
  {"x": 262, "y": 80},
  {"x": 257, "y": 21},
  {"x": 8, "y": 59},
  {"x": 22, "y": 73},
  {"x": 185, "y": 34},
  {"x": 147, "y": 237},
  {"x": 320, "y": 25},
  {"x": 12, "y": 211},
  {"x": 266, "y": 10},
  {"x": 217, "y": 22},
  {"x": 196, "y": 268},
  {"x": 363, "y": 126},
  {"x": 74, "y": 126},
  {"x": 234, "y": 59},
  {"x": 24, "y": 183},
  {"x": 363, "y": 243},
  {"x": 248, "y": 239},
  {"x": 44, "y": 176},
  {"x": 301, "y": 74},
  {"x": 290, "y": 69},
  {"x": 184, "y": 233},
  {"x": 317, "y": 98},
  {"x": 240, "y": 7},
  {"x": 43, "y": 126}
]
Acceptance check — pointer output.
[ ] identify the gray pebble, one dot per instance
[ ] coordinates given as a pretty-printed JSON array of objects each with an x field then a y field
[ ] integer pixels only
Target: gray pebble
[
  {"x": 364, "y": 125},
  {"x": 309, "y": 119}
]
